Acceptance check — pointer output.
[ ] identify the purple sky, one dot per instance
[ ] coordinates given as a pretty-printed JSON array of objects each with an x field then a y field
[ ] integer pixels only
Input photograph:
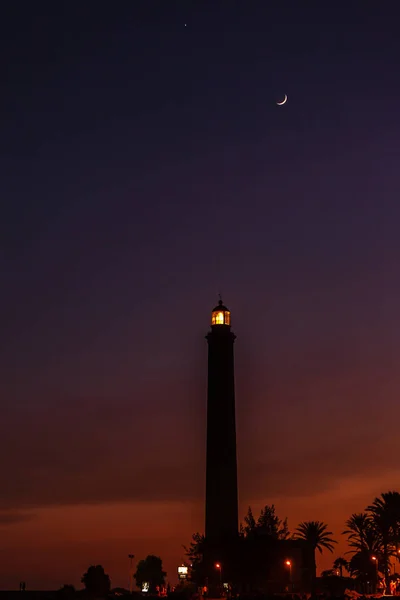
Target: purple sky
[{"x": 144, "y": 168}]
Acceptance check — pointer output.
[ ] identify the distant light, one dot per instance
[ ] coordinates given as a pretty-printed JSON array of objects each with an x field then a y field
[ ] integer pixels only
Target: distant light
[
  {"x": 182, "y": 572},
  {"x": 217, "y": 566},
  {"x": 288, "y": 563}
]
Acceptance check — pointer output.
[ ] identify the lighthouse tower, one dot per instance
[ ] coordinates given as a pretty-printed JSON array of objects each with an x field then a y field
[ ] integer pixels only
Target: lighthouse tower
[{"x": 221, "y": 464}]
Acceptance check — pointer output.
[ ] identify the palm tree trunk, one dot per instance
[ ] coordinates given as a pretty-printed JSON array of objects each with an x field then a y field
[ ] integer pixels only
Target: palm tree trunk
[
  {"x": 385, "y": 566},
  {"x": 314, "y": 578}
]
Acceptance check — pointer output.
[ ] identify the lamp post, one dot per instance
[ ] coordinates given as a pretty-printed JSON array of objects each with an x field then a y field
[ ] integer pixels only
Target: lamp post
[
  {"x": 375, "y": 559},
  {"x": 288, "y": 563},
  {"x": 131, "y": 557},
  {"x": 219, "y": 567}
]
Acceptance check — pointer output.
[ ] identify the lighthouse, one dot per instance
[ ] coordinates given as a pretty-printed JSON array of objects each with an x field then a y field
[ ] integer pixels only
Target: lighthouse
[{"x": 221, "y": 462}]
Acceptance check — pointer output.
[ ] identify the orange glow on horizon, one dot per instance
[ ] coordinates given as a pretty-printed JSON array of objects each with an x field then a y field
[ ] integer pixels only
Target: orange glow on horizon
[{"x": 59, "y": 543}]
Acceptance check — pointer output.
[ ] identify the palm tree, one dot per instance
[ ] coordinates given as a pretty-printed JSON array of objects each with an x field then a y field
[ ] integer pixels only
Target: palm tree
[
  {"x": 358, "y": 528},
  {"x": 364, "y": 569},
  {"x": 339, "y": 563},
  {"x": 315, "y": 534},
  {"x": 385, "y": 514},
  {"x": 365, "y": 541},
  {"x": 327, "y": 573},
  {"x": 389, "y": 502}
]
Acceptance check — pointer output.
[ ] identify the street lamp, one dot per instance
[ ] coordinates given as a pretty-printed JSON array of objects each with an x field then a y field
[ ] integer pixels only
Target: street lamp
[
  {"x": 219, "y": 567},
  {"x": 131, "y": 557},
  {"x": 288, "y": 563},
  {"x": 374, "y": 558}
]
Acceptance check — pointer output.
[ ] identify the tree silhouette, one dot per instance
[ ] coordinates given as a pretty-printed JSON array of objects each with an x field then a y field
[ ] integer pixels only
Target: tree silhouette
[
  {"x": 315, "y": 534},
  {"x": 268, "y": 524},
  {"x": 339, "y": 563},
  {"x": 195, "y": 554},
  {"x": 250, "y": 525},
  {"x": 257, "y": 546},
  {"x": 365, "y": 541},
  {"x": 361, "y": 533},
  {"x": 196, "y": 549},
  {"x": 97, "y": 583},
  {"x": 385, "y": 514},
  {"x": 67, "y": 592},
  {"x": 327, "y": 573},
  {"x": 150, "y": 571}
]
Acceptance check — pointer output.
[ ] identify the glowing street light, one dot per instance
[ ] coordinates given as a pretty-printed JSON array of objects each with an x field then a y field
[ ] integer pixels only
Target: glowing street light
[
  {"x": 219, "y": 567},
  {"x": 375, "y": 559},
  {"x": 288, "y": 563}
]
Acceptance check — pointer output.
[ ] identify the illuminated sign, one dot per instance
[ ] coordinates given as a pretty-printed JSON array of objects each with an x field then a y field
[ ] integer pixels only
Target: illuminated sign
[{"x": 182, "y": 572}]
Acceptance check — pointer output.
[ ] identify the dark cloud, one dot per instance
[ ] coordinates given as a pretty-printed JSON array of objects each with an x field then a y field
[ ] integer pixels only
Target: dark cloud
[
  {"x": 90, "y": 466},
  {"x": 306, "y": 475},
  {"x": 12, "y": 518},
  {"x": 81, "y": 458},
  {"x": 300, "y": 437}
]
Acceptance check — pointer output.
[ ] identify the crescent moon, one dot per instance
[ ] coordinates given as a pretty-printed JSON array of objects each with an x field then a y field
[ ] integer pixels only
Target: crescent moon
[{"x": 283, "y": 101}]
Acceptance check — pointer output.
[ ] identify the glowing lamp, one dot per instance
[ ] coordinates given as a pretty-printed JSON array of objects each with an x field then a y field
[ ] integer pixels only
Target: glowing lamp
[{"x": 221, "y": 315}]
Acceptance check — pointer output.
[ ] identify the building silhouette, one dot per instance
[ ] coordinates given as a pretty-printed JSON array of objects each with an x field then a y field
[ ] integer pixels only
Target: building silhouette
[{"x": 221, "y": 463}]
